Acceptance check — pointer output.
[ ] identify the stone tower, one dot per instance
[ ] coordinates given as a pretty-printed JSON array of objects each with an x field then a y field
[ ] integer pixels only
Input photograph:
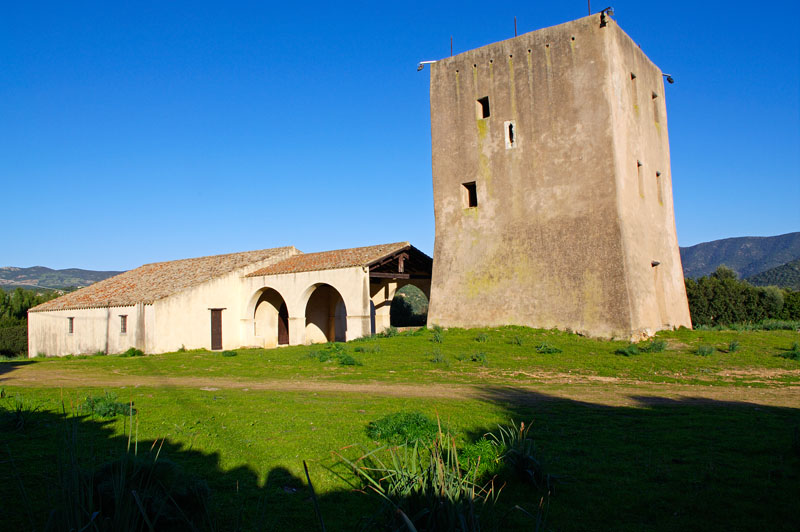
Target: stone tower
[{"x": 552, "y": 186}]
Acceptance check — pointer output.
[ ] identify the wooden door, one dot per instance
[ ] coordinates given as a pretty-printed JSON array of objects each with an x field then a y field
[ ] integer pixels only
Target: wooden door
[
  {"x": 216, "y": 329},
  {"x": 283, "y": 325}
]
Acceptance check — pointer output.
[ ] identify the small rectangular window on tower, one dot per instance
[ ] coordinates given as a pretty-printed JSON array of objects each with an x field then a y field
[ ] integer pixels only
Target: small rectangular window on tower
[
  {"x": 469, "y": 194},
  {"x": 70, "y": 325},
  {"x": 123, "y": 323},
  {"x": 510, "y": 128},
  {"x": 482, "y": 107}
]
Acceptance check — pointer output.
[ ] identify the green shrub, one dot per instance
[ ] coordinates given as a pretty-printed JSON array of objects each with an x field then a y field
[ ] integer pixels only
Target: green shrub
[
  {"x": 733, "y": 346},
  {"x": 437, "y": 357},
  {"x": 481, "y": 357},
  {"x": 389, "y": 332},
  {"x": 132, "y": 352},
  {"x": 229, "y": 353},
  {"x": 656, "y": 345},
  {"x": 348, "y": 360},
  {"x": 793, "y": 353},
  {"x": 372, "y": 347},
  {"x": 99, "y": 353},
  {"x": 437, "y": 336},
  {"x": 482, "y": 338},
  {"x": 105, "y": 406},
  {"x": 14, "y": 341},
  {"x": 484, "y": 457},
  {"x": 516, "y": 340},
  {"x": 704, "y": 350},
  {"x": 402, "y": 427},
  {"x": 627, "y": 351},
  {"x": 546, "y": 348},
  {"x": 779, "y": 325}
]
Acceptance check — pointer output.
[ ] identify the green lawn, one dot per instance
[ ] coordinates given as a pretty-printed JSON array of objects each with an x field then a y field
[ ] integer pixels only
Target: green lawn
[
  {"x": 408, "y": 357},
  {"x": 654, "y": 463}
]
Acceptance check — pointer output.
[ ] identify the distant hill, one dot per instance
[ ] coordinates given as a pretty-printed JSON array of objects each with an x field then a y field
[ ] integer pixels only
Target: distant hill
[
  {"x": 785, "y": 276},
  {"x": 747, "y": 256},
  {"x": 41, "y": 277}
]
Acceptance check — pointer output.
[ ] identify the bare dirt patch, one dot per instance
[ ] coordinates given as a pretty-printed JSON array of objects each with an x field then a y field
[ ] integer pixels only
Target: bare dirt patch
[{"x": 591, "y": 389}]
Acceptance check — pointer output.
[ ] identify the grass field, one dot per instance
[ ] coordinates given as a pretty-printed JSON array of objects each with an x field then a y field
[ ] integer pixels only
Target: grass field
[{"x": 669, "y": 440}]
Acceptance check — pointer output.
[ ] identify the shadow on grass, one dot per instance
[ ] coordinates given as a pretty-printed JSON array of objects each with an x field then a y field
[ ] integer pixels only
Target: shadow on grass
[
  {"x": 9, "y": 365},
  {"x": 662, "y": 464}
]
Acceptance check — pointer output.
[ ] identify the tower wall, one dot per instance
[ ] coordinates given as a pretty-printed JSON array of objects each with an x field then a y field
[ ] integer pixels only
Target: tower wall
[{"x": 548, "y": 243}]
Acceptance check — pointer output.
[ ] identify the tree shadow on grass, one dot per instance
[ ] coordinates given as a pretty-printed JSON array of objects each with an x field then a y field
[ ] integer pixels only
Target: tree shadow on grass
[{"x": 660, "y": 464}]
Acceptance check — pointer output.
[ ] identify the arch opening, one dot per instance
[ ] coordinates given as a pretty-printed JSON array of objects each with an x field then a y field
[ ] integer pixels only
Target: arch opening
[
  {"x": 271, "y": 319},
  {"x": 409, "y": 307},
  {"x": 326, "y": 315}
]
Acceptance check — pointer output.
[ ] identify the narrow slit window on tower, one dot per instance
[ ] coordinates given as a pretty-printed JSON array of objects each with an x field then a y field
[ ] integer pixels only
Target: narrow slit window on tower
[
  {"x": 639, "y": 172},
  {"x": 70, "y": 325},
  {"x": 482, "y": 107},
  {"x": 655, "y": 107},
  {"x": 470, "y": 194},
  {"x": 511, "y": 134},
  {"x": 123, "y": 323},
  {"x": 658, "y": 186}
]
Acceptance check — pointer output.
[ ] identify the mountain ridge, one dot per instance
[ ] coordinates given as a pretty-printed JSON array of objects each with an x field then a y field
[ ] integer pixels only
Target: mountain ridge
[
  {"x": 748, "y": 255},
  {"x": 48, "y": 278}
]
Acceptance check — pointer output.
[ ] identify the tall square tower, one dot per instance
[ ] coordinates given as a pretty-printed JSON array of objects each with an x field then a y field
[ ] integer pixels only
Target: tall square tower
[{"x": 552, "y": 186}]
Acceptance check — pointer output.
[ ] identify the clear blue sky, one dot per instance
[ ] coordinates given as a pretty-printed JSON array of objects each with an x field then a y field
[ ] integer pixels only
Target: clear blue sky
[{"x": 133, "y": 132}]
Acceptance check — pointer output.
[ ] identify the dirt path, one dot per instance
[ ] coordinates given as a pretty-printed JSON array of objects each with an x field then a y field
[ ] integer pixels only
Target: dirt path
[{"x": 600, "y": 393}]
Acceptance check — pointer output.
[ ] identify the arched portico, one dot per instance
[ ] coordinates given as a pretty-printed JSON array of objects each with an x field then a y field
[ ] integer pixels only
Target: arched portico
[
  {"x": 270, "y": 318},
  {"x": 325, "y": 315}
]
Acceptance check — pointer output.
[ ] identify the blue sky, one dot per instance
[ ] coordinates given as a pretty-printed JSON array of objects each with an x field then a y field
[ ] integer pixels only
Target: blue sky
[{"x": 149, "y": 131}]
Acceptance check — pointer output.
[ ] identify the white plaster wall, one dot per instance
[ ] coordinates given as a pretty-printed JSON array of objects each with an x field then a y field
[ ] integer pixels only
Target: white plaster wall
[
  {"x": 296, "y": 288},
  {"x": 94, "y": 330}
]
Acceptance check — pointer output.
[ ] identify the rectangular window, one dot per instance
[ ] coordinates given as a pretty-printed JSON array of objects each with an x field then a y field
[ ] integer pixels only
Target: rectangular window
[
  {"x": 123, "y": 323},
  {"x": 482, "y": 107},
  {"x": 469, "y": 193},
  {"x": 634, "y": 94},
  {"x": 71, "y": 325}
]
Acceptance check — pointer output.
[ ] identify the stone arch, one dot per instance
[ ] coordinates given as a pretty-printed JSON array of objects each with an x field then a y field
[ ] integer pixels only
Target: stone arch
[
  {"x": 326, "y": 315},
  {"x": 270, "y": 318}
]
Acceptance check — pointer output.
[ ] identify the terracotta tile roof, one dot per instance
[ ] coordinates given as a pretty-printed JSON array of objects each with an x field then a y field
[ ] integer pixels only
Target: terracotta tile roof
[
  {"x": 152, "y": 282},
  {"x": 331, "y": 260}
]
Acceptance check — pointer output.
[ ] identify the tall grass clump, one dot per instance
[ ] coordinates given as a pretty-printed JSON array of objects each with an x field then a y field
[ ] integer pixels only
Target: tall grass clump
[
  {"x": 704, "y": 350},
  {"x": 424, "y": 487},
  {"x": 518, "y": 454},
  {"x": 135, "y": 492}
]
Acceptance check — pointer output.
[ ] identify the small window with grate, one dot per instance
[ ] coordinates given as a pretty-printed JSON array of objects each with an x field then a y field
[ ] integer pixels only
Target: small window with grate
[
  {"x": 70, "y": 325},
  {"x": 123, "y": 323}
]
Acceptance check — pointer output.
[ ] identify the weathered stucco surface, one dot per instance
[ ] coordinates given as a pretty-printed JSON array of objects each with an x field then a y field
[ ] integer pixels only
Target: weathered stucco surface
[{"x": 560, "y": 236}]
